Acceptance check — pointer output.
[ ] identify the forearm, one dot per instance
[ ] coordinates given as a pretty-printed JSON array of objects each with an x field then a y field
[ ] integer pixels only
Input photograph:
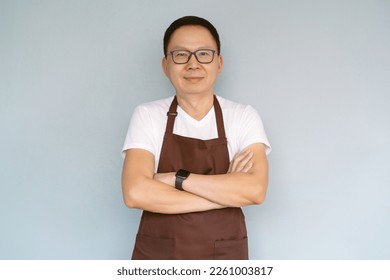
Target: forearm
[
  {"x": 244, "y": 184},
  {"x": 154, "y": 196},
  {"x": 232, "y": 189},
  {"x": 142, "y": 190}
]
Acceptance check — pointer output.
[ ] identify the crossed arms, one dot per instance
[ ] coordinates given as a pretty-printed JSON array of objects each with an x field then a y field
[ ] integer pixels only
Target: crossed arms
[{"x": 245, "y": 183}]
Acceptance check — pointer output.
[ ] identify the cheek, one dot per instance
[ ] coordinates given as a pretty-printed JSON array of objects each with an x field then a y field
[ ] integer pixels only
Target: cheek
[
  {"x": 214, "y": 72},
  {"x": 172, "y": 70},
  {"x": 173, "y": 76},
  {"x": 177, "y": 71}
]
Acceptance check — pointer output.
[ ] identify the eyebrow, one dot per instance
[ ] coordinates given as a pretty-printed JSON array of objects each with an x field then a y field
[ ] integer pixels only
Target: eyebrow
[{"x": 178, "y": 47}]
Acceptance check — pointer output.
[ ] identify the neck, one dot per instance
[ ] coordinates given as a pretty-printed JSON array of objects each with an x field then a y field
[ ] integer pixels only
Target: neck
[{"x": 196, "y": 106}]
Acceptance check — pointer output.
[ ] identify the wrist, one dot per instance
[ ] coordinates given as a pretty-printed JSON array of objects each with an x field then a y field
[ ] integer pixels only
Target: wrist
[{"x": 180, "y": 176}]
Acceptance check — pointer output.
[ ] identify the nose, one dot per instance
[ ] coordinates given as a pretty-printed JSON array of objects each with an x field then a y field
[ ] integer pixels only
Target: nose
[{"x": 193, "y": 63}]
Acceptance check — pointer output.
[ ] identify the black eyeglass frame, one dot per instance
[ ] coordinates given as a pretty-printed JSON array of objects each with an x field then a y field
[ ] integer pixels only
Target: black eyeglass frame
[{"x": 193, "y": 53}]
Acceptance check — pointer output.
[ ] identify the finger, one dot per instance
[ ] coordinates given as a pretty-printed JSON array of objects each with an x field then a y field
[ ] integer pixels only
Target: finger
[
  {"x": 234, "y": 165},
  {"x": 244, "y": 166},
  {"x": 242, "y": 154},
  {"x": 247, "y": 167},
  {"x": 238, "y": 158},
  {"x": 241, "y": 161},
  {"x": 246, "y": 159}
]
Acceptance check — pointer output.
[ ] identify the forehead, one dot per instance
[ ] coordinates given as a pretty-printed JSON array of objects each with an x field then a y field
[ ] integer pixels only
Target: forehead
[{"x": 192, "y": 36}]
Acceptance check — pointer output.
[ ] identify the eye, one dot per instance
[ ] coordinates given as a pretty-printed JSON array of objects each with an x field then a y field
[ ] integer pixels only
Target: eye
[
  {"x": 180, "y": 54},
  {"x": 204, "y": 53}
]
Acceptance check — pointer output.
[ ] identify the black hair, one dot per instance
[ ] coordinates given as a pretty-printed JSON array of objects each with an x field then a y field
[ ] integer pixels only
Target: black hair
[{"x": 190, "y": 20}]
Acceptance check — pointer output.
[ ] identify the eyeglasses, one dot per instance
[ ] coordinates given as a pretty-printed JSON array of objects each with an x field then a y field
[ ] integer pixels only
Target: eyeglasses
[{"x": 203, "y": 56}]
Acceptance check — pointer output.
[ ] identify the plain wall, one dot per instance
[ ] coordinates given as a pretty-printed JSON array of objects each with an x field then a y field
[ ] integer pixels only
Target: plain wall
[{"x": 318, "y": 72}]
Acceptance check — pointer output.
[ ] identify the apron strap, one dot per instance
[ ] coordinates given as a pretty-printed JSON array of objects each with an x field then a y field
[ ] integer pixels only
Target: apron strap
[
  {"x": 219, "y": 118},
  {"x": 172, "y": 113}
]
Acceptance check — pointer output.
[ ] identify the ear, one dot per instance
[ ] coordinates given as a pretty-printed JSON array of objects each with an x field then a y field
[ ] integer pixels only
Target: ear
[
  {"x": 220, "y": 64},
  {"x": 164, "y": 65}
]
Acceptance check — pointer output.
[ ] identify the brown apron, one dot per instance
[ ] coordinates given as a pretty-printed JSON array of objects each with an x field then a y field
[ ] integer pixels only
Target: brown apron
[{"x": 214, "y": 234}]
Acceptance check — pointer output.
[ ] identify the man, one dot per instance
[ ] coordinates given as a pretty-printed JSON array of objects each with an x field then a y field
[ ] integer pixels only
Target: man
[{"x": 177, "y": 165}]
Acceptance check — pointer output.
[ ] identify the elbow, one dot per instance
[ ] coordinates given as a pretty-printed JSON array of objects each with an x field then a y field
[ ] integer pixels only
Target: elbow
[
  {"x": 255, "y": 197},
  {"x": 131, "y": 198},
  {"x": 259, "y": 198},
  {"x": 254, "y": 190},
  {"x": 129, "y": 201},
  {"x": 258, "y": 195}
]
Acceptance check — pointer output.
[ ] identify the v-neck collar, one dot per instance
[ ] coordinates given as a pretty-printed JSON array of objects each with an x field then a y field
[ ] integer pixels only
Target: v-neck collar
[{"x": 193, "y": 121}]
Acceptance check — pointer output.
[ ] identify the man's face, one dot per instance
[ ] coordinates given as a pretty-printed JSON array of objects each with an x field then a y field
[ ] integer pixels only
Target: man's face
[{"x": 193, "y": 77}]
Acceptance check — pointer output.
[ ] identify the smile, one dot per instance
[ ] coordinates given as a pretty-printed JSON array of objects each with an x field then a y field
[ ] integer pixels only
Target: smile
[{"x": 193, "y": 79}]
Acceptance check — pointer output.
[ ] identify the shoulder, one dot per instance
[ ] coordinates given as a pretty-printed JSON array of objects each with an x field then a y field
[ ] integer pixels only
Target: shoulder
[
  {"x": 235, "y": 109},
  {"x": 243, "y": 125},
  {"x": 155, "y": 107},
  {"x": 150, "y": 115}
]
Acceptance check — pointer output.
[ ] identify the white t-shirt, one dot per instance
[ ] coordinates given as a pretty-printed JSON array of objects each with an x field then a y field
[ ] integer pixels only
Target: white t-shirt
[{"x": 243, "y": 126}]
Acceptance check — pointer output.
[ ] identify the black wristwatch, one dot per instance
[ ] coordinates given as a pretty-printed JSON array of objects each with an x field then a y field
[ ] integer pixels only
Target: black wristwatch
[{"x": 181, "y": 175}]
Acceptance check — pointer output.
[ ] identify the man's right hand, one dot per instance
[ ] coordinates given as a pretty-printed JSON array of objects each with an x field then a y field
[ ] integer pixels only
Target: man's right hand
[{"x": 242, "y": 162}]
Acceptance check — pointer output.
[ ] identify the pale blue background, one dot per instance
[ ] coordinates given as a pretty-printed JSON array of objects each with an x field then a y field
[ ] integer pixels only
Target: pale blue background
[{"x": 318, "y": 72}]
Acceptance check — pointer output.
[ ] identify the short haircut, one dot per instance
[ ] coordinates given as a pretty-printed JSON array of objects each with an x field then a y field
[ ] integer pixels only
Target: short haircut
[{"x": 190, "y": 20}]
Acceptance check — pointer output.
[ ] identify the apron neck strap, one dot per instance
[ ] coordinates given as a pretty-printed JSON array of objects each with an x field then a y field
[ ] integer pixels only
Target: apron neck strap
[
  {"x": 219, "y": 118},
  {"x": 172, "y": 113}
]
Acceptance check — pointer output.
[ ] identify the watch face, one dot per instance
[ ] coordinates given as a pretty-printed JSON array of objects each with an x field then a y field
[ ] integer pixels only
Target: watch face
[{"x": 183, "y": 173}]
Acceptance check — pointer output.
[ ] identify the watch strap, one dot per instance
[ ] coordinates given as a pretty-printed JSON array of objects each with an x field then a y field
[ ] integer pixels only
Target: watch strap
[
  {"x": 181, "y": 175},
  {"x": 179, "y": 183}
]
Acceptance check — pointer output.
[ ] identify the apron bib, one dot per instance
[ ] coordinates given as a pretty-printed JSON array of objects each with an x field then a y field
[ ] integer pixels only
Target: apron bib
[{"x": 214, "y": 234}]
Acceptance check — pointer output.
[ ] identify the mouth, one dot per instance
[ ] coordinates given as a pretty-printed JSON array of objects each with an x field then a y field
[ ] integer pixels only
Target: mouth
[{"x": 193, "y": 79}]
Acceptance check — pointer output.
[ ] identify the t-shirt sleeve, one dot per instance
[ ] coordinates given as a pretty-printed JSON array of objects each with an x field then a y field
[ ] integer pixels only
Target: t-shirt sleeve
[
  {"x": 252, "y": 130},
  {"x": 139, "y": 134}
]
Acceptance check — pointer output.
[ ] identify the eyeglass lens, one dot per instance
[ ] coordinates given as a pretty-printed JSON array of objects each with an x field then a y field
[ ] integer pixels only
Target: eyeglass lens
[{"x": 183, "y": 56}]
